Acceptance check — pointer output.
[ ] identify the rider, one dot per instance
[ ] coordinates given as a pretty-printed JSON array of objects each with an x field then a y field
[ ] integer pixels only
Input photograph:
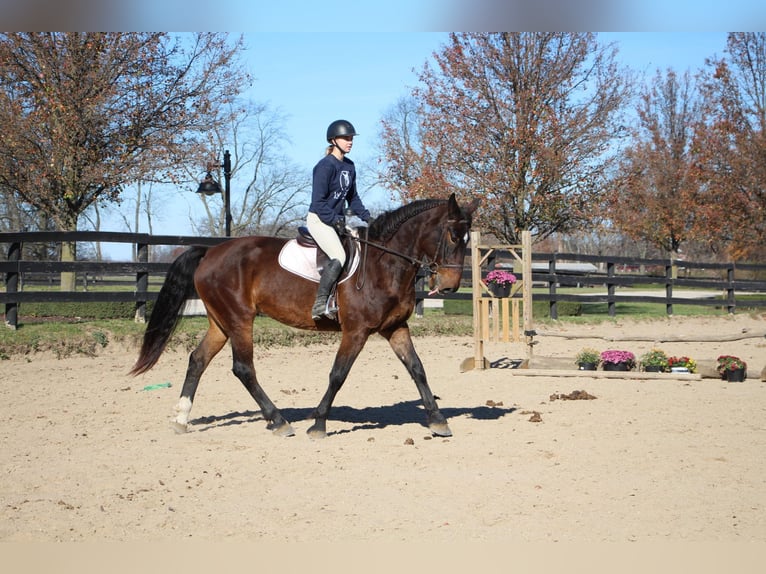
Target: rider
[{"x": 334, "y": 185}]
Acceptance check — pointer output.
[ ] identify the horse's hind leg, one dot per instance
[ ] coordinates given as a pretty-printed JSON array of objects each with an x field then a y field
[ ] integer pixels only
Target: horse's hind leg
[
  {"x": 401, "y": 342},
  {"x": 243, "y": 368},
  {"x": 199, "y": 359}
]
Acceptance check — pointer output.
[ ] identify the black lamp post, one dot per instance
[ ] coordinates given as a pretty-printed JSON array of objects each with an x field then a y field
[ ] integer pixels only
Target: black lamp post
[{"x": 209, "y": 186}]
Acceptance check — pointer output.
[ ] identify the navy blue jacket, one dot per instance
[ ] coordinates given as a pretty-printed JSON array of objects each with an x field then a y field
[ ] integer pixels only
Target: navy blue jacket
[{"x": 334, "y": 185}]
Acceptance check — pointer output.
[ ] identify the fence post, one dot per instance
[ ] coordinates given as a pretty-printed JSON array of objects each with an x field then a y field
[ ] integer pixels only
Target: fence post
[
  {"x": 670, "y": 272},
  {"x": 529, "y": 327},
  {"x": 142, "y": 281},
  {"x": 610, "y": 289},
  {"x": 731, "y": 302},
  {"x": 12, "y": 286},
  {"x": 478, "y": 338},
  {"x": 552, "y": 304},
  {"x": 419, "y": 286}
]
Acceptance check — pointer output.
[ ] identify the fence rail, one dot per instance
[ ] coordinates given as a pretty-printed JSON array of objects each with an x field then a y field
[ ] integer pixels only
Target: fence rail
[
  {"x": 550, "y": 270},
  {"x": 14, "y": 268},
  {"x": 622, "y": 272}
]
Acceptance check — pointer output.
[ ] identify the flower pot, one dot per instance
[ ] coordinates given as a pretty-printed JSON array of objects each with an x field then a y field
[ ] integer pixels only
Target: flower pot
[
  {"x": 586, "y": 366},
  {"x": 735, "y": 376},
  {"x": 616, "y": 367},
  {"x": 653, "y": 369},
  {"x": 499, "y": 291}
]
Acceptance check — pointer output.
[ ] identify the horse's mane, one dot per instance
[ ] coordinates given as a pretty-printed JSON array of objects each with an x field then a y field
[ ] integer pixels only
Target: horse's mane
[{"x": 385, "y": 225}]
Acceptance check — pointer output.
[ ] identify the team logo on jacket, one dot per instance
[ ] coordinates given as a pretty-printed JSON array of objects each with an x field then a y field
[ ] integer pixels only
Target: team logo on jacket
[{"x": 345, "y": 181}]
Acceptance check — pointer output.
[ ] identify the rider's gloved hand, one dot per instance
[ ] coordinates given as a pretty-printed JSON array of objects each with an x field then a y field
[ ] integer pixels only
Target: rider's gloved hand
[{"x": 340, "y": 225}]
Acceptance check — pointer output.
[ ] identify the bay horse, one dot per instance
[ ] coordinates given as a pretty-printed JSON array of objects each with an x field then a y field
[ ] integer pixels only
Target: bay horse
[{"x": 241, "y": 277}]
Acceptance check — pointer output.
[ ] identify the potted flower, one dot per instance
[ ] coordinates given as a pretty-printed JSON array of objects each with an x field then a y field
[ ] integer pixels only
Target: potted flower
[
  {"x": 587, "y": 359},
  {"x": 616, "y": 360},
  {"x": 682, "y": 365},
  {"x": 499, "y": 282},
  {"x": 732, "y": 368},
  {"x": 654, "y": 360}
]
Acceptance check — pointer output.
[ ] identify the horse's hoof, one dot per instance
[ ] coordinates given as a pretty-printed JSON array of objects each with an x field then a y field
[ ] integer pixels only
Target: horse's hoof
[
  {"x": 179, "y": 428},
  {"x": 440, "y": 429},
  {"x": 316, "y": 432},
  {"x": 282, "y": 430}
]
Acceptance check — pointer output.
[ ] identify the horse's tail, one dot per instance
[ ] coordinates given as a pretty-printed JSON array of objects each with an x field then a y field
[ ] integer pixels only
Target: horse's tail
[{"x": 177, "y": 288}]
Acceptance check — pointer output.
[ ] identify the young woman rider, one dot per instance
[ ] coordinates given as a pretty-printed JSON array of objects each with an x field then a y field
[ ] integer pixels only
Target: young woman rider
[{"x": 334, "y": 186}]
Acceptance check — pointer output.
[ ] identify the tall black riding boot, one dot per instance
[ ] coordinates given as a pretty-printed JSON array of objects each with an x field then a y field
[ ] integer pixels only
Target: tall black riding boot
[{"x": 330, "y": 275}]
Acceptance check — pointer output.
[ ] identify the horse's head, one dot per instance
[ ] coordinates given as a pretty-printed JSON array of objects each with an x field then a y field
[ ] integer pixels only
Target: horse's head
[{"x": 454, "y": 230}]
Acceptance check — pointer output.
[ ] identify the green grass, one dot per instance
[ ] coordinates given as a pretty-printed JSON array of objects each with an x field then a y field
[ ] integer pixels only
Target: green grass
[
  {"x": 72, "y": 337},
  {"x": 65, "y": 330}
]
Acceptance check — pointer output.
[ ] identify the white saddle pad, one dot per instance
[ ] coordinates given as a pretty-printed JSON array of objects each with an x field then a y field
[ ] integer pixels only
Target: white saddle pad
[{"x": 301, "y": 261}]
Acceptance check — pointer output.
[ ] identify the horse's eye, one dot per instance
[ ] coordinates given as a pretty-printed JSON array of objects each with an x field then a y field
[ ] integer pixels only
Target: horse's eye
[{"x": 453, "y": 236}]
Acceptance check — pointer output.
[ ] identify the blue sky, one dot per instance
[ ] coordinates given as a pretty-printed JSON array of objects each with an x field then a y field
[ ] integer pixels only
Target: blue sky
[
  {"x": 315, "y": 78},
  {"x": 385, "y": 15}
]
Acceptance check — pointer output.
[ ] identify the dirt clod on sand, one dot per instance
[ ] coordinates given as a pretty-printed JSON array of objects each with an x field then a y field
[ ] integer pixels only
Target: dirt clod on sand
[{"x": 573, "y": 396}]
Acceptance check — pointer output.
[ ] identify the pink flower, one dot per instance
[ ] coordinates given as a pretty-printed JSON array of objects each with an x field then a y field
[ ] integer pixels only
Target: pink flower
[
  {"x": 616, "y": 357},
  {"x": 500, "y": 277}
]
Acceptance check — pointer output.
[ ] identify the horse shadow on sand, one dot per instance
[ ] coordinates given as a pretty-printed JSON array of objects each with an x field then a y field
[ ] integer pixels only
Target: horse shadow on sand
[{"x": 367, "y": 418}]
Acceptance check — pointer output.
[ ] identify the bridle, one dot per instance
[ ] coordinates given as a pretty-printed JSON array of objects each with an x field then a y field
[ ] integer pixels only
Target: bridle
[{"x": 431, "y": 267}]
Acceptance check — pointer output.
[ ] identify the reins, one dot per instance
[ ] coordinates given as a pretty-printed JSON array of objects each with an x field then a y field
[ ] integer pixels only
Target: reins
[
  {"x": 430, "y": 267},
  {"x": 404, "y": 256}
]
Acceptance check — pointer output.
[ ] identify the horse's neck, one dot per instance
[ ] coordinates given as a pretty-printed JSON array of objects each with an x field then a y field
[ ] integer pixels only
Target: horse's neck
[{"x": 406, "y": 242}]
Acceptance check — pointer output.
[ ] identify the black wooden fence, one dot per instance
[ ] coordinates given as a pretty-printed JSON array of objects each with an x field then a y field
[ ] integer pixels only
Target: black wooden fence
[
  {"x": 14, "y": 268},
  {"x": 551, "y": 271},
  {"x": 612, "y": 272}
]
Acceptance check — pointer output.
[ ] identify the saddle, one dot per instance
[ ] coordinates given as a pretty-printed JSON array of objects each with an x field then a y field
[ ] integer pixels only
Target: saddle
[{"x": 302, "y": 257}]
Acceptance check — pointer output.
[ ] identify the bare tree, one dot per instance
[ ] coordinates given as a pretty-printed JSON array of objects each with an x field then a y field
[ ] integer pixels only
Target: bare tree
[{"x": 274, "y": 195}]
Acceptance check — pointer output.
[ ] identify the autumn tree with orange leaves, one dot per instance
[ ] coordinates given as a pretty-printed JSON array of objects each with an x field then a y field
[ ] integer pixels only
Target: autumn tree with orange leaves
[
  {"x": 526, "y": 122},
  {"x": 84, "y": 114},
  {"x": 731, "y": 143},
  {"x": 656, "y": 196}
]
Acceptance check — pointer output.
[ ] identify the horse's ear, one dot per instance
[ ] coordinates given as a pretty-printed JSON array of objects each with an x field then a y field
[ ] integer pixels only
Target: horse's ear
[
  {"x": 454, "y": 208},
  {"x": 473, "y": 206}
]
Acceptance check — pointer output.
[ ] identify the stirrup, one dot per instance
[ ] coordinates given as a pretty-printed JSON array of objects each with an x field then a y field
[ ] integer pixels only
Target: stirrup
[{"x": 330, "y": 311}]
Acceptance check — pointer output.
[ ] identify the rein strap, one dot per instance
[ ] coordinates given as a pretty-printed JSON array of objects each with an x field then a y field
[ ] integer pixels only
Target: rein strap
[{"x": 429, "y": 266}]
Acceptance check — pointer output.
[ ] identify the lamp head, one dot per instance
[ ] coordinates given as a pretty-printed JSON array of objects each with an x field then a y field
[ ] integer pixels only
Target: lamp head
[{"x": 209, "y": 186}]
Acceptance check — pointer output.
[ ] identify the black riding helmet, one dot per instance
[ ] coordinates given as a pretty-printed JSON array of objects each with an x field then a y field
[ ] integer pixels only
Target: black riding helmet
[{"x": 340, "y": 128}]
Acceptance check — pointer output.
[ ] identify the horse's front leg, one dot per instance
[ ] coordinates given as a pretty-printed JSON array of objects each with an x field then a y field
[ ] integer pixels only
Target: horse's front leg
[
  {"x": 351, "y": 345},
  {"x": 401, "y": 342}
]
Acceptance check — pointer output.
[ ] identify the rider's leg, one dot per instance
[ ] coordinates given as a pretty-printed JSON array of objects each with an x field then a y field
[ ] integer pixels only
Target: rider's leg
[
  {"x": 329, "y": 242},
  {"x": 330, "y": 275}
]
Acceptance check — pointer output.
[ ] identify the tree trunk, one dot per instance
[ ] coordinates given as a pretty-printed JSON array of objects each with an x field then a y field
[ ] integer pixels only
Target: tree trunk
[{"x": 68, "y": 253}]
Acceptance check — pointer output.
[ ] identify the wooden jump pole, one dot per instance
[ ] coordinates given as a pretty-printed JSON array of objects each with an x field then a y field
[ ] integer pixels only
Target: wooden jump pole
[
  {"x": 498, "y": 319},
  {"x": 526, "y": 252}
]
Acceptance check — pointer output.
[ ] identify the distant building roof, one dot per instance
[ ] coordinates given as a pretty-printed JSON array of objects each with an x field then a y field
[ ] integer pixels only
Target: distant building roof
[{"x": 567, "y": 267}]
